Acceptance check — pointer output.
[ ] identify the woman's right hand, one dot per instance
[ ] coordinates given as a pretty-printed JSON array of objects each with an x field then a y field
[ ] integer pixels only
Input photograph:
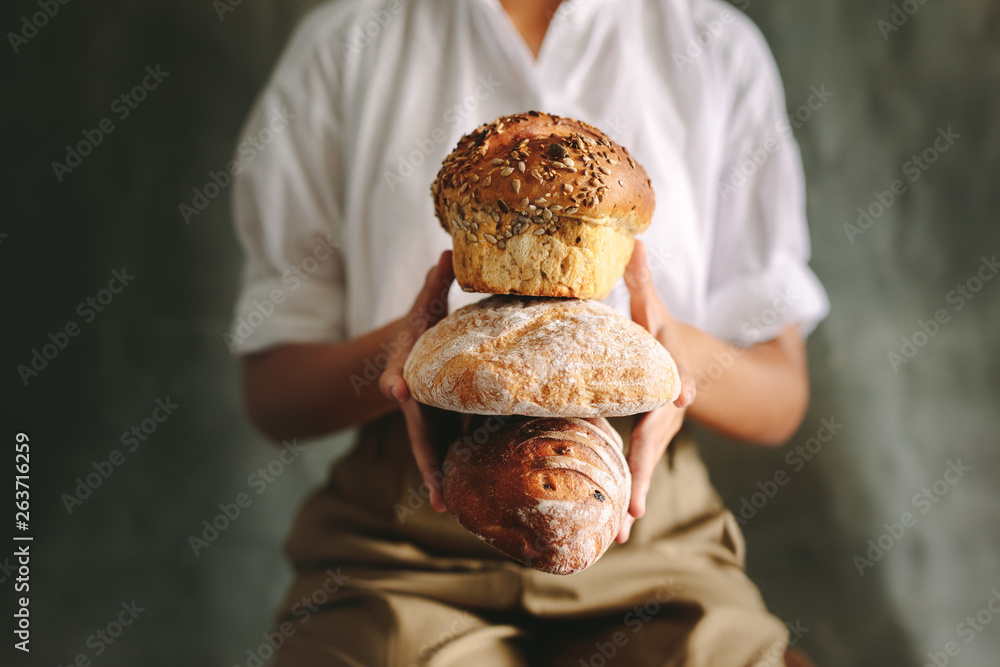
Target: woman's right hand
[{"x": 426, "y": 426}]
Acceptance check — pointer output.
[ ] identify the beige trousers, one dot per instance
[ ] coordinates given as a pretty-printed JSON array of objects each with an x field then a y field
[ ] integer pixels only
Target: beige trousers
[{"x": 385, "y": 581}]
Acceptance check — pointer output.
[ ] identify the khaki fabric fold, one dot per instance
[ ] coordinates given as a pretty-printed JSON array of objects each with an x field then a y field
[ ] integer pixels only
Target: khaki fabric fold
[{"x": 382, "y": 580}]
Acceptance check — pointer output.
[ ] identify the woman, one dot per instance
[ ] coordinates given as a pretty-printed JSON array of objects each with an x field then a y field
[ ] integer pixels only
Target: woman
[{"x": 336, "y": 220}]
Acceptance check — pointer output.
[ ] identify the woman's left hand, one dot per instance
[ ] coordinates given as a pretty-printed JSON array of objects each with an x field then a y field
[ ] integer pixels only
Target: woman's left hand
[
  {"x": 430, "y": 429},
  {"x": 654, "y": 430}
]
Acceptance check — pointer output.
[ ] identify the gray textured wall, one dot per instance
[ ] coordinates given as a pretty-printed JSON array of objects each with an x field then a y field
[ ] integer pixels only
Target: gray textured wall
[{"x": 160, "y": 337}]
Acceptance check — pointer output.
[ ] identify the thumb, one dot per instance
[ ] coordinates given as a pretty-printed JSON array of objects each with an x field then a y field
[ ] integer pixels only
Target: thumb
[
  {"x": 689, "y": 388},
  {"x": 431, "y": 304},
  {"x": 639, "y": 281},
  {"x": 429, "y": 307}
]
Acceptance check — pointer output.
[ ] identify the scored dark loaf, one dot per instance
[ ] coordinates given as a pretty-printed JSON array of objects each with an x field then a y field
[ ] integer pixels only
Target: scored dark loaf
[{"x": 549, "y": 492}]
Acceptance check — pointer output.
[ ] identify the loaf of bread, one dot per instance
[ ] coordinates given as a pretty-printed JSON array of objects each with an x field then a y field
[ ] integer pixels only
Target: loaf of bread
[
  {"x": 508, "y": 355},
  {"x": 541, "y": 205},
  {"x": 550, "y": 493}
]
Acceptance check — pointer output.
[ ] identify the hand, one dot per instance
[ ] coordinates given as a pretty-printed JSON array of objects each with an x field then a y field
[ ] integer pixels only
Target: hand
[
  {"x": 425, "y": 425},
  {"x": 654, "y": 430}
]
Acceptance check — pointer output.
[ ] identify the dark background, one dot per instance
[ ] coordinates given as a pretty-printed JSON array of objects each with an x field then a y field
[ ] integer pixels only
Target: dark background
[{"x": 161, "y": 337}]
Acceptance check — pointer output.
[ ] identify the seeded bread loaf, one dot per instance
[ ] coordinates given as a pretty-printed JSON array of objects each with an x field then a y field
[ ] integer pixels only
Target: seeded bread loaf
[
  {"x": 508, "y": 355},
  {"x": 548, "y": 492},
  {"x": 541, "y": 205}
]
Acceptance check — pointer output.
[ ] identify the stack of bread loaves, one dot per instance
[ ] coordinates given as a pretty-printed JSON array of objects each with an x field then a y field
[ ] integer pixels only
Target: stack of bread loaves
[{"x": 540, "y": 206}]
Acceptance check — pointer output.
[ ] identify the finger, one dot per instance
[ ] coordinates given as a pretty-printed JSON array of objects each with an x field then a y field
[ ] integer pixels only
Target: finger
[
  {"x": 391, "y": 382},
  {"x": 644, "y": 453},
  {"x": 639, "y": 281},
  {"x": 393, "y": 386},
  {"x": 626, "y": 529},
  {"x": 689, "y": 389},
  {"x": 637, "y": 273},
  {"x": 433, "y": 298},
  {"x": 424, "y": 453},
  {"x": 432, "y": 302}
]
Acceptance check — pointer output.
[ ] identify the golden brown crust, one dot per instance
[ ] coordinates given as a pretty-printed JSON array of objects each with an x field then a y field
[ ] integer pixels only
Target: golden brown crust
[
  {"x": 550, "y": 493},
  {"x": 540, "y": 357},
  {"x": 536, "y": 179}
]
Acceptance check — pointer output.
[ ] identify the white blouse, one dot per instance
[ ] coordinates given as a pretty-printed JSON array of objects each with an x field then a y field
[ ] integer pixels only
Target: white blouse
[{"x": 331, "y": 193}]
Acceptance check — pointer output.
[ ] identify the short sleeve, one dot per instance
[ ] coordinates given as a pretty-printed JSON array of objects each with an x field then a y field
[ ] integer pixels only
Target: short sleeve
[
  {"x": 287, "y": 207},
  {"x": 759, "y": 279}
]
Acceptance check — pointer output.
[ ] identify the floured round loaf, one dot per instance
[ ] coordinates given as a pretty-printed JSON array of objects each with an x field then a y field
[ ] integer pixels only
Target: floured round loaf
[
  {"x": 550, "y": 492},
  {"x": 540, "y": 357},
  {"x": 541, "y": 205}
]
